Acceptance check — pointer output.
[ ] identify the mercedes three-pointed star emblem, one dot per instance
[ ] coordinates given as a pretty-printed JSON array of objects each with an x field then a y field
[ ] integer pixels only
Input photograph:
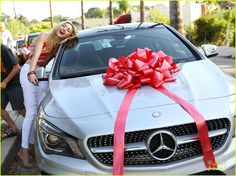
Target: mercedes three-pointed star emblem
[{"x": 162, "y": 145}]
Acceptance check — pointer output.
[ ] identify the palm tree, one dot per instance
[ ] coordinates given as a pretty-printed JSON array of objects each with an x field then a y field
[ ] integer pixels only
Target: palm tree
[
  {"x": 14, "y": 8},
  {"x": 82, "y": 14},
  {"x": 110, "y": 12},
  {"x": 176, "y": 20},
  {"x": 51, "y": 17},
  {"x": 141, "y": 11}
]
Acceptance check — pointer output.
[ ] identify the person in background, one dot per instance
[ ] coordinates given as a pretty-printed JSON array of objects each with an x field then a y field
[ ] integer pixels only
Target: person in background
[
  {"x": 33, "y": 89},
  {"x": 11, "y": 90},
  {"x": 123, "y": 18},
  {"x": 6, "y": 37}
]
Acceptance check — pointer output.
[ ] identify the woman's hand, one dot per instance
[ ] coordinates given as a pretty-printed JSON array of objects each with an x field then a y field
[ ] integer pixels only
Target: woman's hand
[{"x": 33, "y": 79}]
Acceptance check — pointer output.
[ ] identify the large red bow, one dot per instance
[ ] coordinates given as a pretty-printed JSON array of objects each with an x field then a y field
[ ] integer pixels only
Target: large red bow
[
  {"x": 147, "y": 67},
  {"x": 141, "y": 67}
]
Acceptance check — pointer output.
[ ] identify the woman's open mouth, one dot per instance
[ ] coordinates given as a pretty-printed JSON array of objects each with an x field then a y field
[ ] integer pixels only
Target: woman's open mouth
[{"x": 61, "y": 32}]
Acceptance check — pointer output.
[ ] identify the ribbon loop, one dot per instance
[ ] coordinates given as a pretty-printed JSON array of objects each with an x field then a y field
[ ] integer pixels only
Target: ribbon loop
[{"x": 150, "y": 68}]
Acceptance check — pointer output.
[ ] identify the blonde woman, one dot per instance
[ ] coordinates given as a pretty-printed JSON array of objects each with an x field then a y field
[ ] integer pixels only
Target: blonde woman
[{"x": 33, "y": 90}]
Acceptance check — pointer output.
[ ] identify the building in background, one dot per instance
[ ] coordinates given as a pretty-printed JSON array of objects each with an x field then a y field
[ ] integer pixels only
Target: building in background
[{"x": 190, "y": 10}]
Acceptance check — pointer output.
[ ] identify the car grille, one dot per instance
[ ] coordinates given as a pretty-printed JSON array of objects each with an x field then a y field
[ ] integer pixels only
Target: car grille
[{"x": 143, "y": 158}]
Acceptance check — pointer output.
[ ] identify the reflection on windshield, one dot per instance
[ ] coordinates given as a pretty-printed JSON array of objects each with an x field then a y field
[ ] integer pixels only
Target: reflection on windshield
[{"x": 91, "y": 55}]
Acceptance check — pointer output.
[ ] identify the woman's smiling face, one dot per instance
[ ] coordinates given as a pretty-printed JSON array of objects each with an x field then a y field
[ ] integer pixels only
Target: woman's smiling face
[{"x": 65, "y": 30}]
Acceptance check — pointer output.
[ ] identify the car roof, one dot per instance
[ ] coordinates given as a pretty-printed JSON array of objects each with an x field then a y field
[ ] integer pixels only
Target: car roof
[
  {"x": 116, "y": 27},
  {"x": 33, "y": 34},
  {"x": 20, "y": 40}
]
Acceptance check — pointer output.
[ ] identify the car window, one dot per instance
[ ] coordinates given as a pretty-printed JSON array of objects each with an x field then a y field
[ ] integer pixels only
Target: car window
[
  {"x": 32, "y": 39},
  {"x": 20, "y": 43},
  {"x": 93, "y": 53}
]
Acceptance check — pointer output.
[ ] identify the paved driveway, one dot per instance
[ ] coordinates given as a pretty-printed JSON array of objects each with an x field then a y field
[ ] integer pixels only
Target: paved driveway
[{"x": 225, "y": 59}]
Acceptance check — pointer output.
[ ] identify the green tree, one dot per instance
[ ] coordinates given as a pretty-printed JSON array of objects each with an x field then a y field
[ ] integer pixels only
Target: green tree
[
  {"x": 209, "y": 29},
  {"x": 5, "y": 17},
  {"x": 116, "y": 12},
  {"x": 16, "y": 27},
  {"x": 40, "y": 27},
  {"x": 94, "y": 12},
  {"x": 34, "y": 21},
  {"x": 123, "y": 5},
  {"x": 156, "y": 16},
  {"x": 56, "y": 19},
  {"x": 23, "y": 20},
  {"x": 229, "y": 16}
]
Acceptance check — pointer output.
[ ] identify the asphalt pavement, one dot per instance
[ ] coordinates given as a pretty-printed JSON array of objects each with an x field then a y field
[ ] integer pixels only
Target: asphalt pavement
[
  {"x": 10, "y": 162},
  {"x": 225, "y": 60}
]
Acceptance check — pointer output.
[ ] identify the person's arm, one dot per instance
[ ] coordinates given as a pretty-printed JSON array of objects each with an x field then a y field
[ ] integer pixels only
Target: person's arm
[
  {"x": 14, "y": 71},
  {"x": 8, "y": 57},
  {"x": 37, "y": 51}
]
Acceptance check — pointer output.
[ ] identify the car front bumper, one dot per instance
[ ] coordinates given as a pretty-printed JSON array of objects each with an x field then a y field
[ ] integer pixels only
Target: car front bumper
[{"x": 56, "y": 164}]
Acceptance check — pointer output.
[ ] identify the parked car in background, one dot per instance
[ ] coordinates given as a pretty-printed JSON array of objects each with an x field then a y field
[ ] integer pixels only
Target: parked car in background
[
  {"x": 20, "y": 49},
  {"x": 75, "y": 123},
  {"x": 19, "y": 46},
  {"x": 30, "y": 39}
]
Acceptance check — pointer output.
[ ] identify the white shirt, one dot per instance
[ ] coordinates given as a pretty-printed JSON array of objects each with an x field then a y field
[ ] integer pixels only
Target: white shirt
[{"x": 7, "y": 39}]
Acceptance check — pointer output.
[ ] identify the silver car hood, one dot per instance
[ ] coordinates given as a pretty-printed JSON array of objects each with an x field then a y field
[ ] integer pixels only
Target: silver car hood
[{"x": 87, "y": 96}]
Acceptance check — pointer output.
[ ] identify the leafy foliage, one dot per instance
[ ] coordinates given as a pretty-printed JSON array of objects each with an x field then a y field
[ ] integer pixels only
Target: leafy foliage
[
  {"x": 123, "y": 5},
  {"x": 40, "y": 27},
  {"x": 156, "y": 16},
  {"x": 56, "y": 19},
  {"x": 209, "y": 29},
  {"x": 95, "y": 12},
  {"x": 16, "y": 27},
  {"x": 23, "y": 20},
  {"x": 5, "y": 17}
]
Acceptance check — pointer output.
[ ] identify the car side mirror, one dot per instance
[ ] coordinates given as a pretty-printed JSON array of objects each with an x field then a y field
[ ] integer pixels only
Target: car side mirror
[
  {"x": 43, "y": 73},
  {"x": 209, "y": 50}
]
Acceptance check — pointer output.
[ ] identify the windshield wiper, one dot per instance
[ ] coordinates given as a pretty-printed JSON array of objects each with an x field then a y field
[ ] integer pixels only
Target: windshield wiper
[
  {"x": 155, "y": 25},
  {"x": 83, "y": 73}
]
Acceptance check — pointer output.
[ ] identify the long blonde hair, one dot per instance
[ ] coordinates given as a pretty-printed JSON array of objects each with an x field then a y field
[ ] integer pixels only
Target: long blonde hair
[{"x": 53, "y": 39}]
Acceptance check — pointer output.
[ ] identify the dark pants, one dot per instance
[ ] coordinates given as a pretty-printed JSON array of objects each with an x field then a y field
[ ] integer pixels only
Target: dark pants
[{"x": 14, "y": 96}]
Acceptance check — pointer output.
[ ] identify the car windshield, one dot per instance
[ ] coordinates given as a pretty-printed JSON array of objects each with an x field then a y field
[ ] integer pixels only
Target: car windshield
[
  {"x": 91, "y": 55},
  {"x": 32, "y": 38},
  {"x": 20, "y": 43}
]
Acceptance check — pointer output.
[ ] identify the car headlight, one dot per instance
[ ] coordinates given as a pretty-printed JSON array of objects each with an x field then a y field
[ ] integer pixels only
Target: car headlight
[{"x": 55, "y": 141}]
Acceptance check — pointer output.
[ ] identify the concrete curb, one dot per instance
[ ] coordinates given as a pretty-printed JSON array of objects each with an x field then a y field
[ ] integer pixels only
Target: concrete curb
[
  {"x": 12, "y": 152},
  {"x": 10, "y": 146}
]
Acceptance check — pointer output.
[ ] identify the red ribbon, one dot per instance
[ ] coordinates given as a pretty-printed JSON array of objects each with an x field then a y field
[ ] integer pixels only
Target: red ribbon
[{"x": 145, "y": 67}]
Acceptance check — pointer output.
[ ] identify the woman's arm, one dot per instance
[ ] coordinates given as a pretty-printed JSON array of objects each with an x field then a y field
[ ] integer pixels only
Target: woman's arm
[{"x": 38, "y": 49}]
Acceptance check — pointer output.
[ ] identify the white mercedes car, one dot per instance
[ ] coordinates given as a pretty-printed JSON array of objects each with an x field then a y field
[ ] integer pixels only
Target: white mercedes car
[{"x": 75, "y": 123}]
